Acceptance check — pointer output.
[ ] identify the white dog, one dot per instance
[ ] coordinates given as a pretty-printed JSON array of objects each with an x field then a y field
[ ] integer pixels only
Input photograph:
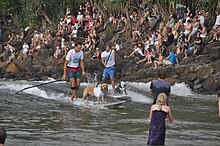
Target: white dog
[
  {"x": 98, "y": 92},
  {"x": 121, "y": 89}
]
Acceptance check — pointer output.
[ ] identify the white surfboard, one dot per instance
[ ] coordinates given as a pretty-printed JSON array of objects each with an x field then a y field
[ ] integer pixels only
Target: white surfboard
[
  {"x": 118, "y": 96},
  {"x": 109, "y": 104}
]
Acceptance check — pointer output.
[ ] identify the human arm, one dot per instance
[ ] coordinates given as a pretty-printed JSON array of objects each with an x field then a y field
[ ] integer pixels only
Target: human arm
[
  {"x": 177, "y": 61},
  {"x": 103, "y": 62},
  {"x": 150, "y": 114},
  {"x": 132, "y": 53},
  {"x": 82, "y": 67},
  {"x": 170, "y": 116},
  {"x": 65, "y": 70}
]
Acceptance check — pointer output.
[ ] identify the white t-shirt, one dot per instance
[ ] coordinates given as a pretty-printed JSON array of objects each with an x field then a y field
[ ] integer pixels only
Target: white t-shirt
[
  {"x": 117, "y": 47},
  {"x": 74, "y": 32},
  {"x": 201, "y": 20},
  {"x": 25, "y": 48},
  {"x": 147, "y": 45},
  {"x": 74, "y": 58},
  {"x": 97, "y": 92},
  {"x": 109, "y": 58},
  {"x": 79, "y": 17},
  {"x": 38, "y": 47},
  {"x": 139, "y": 51},
  {"x": 37, "y": 36},
  {"x": 62, "y": 44},
  {"x": 217, "y": 21}
]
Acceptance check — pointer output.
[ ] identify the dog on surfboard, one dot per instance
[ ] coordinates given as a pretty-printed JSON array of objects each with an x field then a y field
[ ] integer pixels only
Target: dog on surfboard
[
  {"x": 98, "y": 92},
  {"x": 121, "y": 89}
]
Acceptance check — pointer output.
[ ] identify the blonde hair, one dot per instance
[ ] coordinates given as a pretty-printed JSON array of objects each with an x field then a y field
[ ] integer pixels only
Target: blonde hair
[{"x": 162, "y": 99}]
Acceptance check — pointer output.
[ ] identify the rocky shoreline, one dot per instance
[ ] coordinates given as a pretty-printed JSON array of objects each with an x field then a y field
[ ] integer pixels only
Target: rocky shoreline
[{"x": 200, "y": 72}]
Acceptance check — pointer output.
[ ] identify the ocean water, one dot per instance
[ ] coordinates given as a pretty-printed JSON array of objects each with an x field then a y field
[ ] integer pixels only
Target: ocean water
[{"x": 45, "y": 116}]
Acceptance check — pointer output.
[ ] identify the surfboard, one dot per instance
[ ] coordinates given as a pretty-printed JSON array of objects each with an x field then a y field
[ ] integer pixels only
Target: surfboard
[
  {"x": 109, "y": 104},
  {"x": 118, "y": 96}
]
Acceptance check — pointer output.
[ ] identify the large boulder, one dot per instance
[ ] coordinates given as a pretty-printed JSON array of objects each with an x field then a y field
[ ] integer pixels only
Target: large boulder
[
  {"x": 215, "y": 52},
  {"x": 210, "y": 84},
  {"x": 208, "y": 48},
  {"x": 205, "y": 71},
  {"x": 12, "y": 68}
]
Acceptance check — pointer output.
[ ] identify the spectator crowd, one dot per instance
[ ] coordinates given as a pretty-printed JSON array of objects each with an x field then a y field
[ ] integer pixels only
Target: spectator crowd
[{"x": 155, "y": 40}]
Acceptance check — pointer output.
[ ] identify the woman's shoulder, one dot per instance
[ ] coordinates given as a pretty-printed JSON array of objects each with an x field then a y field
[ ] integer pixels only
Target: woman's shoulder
[{"x": 164, "y": 108}]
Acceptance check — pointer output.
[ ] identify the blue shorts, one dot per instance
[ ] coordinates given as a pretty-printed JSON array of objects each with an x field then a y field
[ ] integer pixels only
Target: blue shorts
[{"x": 109, "y": 72}]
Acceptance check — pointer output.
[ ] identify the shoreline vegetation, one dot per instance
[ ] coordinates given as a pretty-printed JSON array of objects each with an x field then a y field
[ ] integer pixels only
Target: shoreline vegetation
[{"x": 34, "y": 39}]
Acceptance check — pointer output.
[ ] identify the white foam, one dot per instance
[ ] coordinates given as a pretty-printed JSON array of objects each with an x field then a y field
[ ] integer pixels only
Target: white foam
[
  {"x": 18, "y": 86},
  {"x": 137, "y": 97},
  {"x": 179, "y": 89}
]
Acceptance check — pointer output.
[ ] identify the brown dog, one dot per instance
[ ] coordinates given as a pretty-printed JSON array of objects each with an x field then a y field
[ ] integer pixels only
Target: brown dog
[{"x": 98, "y": 92}]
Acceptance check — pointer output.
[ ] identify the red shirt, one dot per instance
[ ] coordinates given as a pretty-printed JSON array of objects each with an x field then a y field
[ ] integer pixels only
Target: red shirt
[{"x": 73, "y": 20}]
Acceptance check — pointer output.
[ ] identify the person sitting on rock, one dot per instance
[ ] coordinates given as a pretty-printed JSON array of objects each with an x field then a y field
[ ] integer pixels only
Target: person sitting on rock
[
  {"x": 159, "y": 61},
  {"x": 10, "y": 51},
  {"x": 137, "y": 52},
  {"x": 97, "y": 54},
  {"x": 171, "y": 59},
  {"x": 25, "y": 49},
  {"x": 58, "y": 53},
  {"x": 35, "y": 49}
]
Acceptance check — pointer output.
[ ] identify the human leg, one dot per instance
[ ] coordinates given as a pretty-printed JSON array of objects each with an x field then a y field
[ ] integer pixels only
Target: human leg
[
  {"x": 74, "y": 88},
  {"x": 111, "y": 73},
  {"x": 105, "y": 75},
  {"x": 113, "y": 84},
  {"x": 74, "y": 82}
]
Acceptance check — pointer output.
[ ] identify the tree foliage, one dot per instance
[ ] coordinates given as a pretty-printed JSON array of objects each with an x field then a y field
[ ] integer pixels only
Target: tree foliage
[{"x": 33, "y": 12}]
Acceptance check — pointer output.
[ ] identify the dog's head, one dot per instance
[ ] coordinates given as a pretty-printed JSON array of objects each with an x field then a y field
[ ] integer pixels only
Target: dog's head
[
  {"x": 104, "y": 88},
  {"x": 122, "y": 84}
]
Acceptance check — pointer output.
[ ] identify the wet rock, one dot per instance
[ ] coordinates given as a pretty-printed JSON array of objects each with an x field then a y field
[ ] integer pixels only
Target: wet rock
[
  {"x": 191, "y": 77},
  {"x": 44, "y": 78},
  {"x": 12, "y": 68},
  {"x": 205, "y": 71},
  {"x": 215, "y": 52},
  {"x": 208, "y": 48},
  {"x": 198, "y": 81},
  {"x": 196, "y": 87},
  {"x": 210, "y": 84}
]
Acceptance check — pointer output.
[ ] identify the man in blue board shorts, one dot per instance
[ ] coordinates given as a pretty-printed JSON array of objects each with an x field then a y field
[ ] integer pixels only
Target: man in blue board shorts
[{"x": 108, "y": 60}]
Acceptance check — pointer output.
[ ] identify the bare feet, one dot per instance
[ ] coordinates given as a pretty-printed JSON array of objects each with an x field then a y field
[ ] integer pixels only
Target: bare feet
[{"x": 73, "y": 98}]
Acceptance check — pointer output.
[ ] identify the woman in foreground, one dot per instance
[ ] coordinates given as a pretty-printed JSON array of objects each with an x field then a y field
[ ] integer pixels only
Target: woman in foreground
[{"x": 158, "y": 114}]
